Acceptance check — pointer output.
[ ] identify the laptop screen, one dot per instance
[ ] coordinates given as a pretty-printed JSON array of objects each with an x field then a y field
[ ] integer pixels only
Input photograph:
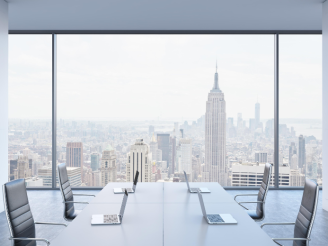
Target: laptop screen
[
  {"x": 186, "y": 180},
  {"x": 202, "y": 203},
  {"x": 125, "y": 198},
  {"x": 136, "y": 178}
]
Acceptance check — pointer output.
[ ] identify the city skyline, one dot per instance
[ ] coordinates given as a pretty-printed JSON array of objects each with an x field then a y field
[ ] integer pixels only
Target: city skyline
[{"x": 212, "y": 148}]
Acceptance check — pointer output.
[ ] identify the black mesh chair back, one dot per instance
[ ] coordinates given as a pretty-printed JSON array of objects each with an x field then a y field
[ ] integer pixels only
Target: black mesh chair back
[
  {"x": 66, "y": 191},
  {"x": 17, "y": 209},
  {"x": 263, "y": 190},
  {"x": 306, "y": 214}
]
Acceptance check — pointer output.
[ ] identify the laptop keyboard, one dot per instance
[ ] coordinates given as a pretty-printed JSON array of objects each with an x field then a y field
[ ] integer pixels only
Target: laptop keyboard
[
  {"x": 110, "y": 219},
  {"x": 215, "y": 218},
  {"x": 194, "y": 189}
]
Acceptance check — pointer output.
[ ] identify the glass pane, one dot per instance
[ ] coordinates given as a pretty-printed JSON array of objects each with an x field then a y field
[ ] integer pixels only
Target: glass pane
[
  {"x": 30, "y": 87},
  {"x": 142, "y": 102},
  {"x": 300, "y": 133}
]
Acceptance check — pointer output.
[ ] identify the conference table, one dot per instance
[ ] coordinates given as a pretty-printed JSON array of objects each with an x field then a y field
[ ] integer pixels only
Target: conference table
[{"x": 163, "y": 214}]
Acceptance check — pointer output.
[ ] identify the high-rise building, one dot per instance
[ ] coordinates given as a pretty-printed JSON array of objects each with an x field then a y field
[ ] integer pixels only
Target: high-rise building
[
  {"x": 108, "y": 166},
  {"x": 257, "y": 115},
  {"x": 293, "y": 162},
  {"x": 239, "y": 121},
  {"x": 261, "y": 157},
  {"x": 163, "y": 141},
  {"x": 73, "y": 173},
  {"x": 301, "y": 153},
  {"x": 74, "y": 155},
  {"x": 94, "y": 161},
  {"x": 176, "y": 129},
  {"x": 158, "y": 155},
  {"x": 139, "y": 159},
  {"x": 186, "y": 155},
  {"x": 215, "y": 136},
  {"x": 23, "y": 169},
  {"x": 153, "y": 148},
  {"x": 172, "y": 155},
  {"x": 252, "y": 125},
  {"x": 291, "y": 153},
  {"x": 296, "y": 178},
  {"x": 251, "y": 174}
]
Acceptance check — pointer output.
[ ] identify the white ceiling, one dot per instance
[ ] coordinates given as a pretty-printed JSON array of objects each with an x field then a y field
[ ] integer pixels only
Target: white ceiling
[{"x": 165, "y": 14}]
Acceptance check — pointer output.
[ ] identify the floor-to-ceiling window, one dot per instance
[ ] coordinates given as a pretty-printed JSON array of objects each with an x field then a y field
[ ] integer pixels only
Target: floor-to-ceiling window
[
  {"x": 192, "y": 99},
  {"x": 164, "y": 104},
  {"x": 30, "y": 134},
  {"x": 300, "y": 111}
]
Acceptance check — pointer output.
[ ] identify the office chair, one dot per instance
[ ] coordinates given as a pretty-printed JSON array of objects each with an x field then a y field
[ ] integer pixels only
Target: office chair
[
  {"x": 305, "y": 217},
  {"x": 19, "y": 217},
  {"x": 259, "y": 213},
  {"x": 65, "y": 188}
]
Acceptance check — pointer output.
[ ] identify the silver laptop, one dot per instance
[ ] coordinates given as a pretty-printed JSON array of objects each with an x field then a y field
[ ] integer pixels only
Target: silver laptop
[
  {"x": 216, "y": 219},
  {"x": 110, "y": 219},
  {"x": 195, "y": 190},
  {"x": 129, "y": 190}
]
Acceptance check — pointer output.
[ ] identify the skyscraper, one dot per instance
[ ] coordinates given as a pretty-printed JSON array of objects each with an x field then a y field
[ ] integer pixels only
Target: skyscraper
[
  {"x": 94, "y": 161},
  {"x": 163, "y": 141},
  {"x": 261, "y": 157},
  {"x": 172, "y": 154},
  {"x": 23, "y": 169},
  {"x": 176, "y": 129},
  {"x": 292, "y": 152},
  {"x": 108, "y": 166},
  {"x": 301, "y": 153},
  {"x": 257, "y": 115},
  {"x": 139, "y": 159},
  {"x": 215, "y": 136},
  {"x": 153, "y": 148},
  {"x": 74, "y": 155}
]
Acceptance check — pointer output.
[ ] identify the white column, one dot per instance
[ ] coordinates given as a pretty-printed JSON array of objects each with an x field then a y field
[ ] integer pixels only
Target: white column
[
  {"x": 325, "y": 105},
  {"x": 3, "y": 96}
]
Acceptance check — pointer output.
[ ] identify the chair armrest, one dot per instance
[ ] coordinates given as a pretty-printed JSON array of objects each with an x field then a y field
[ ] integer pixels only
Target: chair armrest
[
  {"x": 278, "y": 223},
  {"x": 83, "y": 195},
  {"x": 49, "y": 223},
  {"x": 76, "y": 202},
  {"x": 30, "y": 239},
  {"x": 289, "y": 239},
  {"x": 244, "y": 195}
]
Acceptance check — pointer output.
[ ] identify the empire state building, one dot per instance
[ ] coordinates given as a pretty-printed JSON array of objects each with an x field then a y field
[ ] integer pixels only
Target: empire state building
[{"x": 215, "y": 136}]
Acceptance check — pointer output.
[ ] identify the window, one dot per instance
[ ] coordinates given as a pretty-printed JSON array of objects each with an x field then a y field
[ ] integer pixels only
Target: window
[
  {"x": 300, "y": 123},
  {"x": 203, "y": 104},
  {"x": 30, "y": 86},
  {"x": 120, "y": 91}
]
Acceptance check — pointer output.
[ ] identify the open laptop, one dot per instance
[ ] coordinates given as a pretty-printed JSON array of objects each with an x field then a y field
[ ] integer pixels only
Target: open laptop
[
  {"x": 195, "y": 190},
  {"x": 110, "y": 219},
  {"x": 129, "y": 190},
  {"x": 216, "y": 219}
]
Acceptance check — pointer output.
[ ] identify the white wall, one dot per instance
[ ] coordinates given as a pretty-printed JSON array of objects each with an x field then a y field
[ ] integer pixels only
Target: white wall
[
  {"x": 3, "y": 96},
  {"x": 325, "y": 104}
]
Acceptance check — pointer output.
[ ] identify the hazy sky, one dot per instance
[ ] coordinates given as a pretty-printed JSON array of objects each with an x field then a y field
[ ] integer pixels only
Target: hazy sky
[{"x": 146, "y": 77}]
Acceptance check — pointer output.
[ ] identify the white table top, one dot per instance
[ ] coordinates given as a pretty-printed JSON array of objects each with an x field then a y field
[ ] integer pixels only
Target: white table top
[{"x": 163, "y": 214}]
